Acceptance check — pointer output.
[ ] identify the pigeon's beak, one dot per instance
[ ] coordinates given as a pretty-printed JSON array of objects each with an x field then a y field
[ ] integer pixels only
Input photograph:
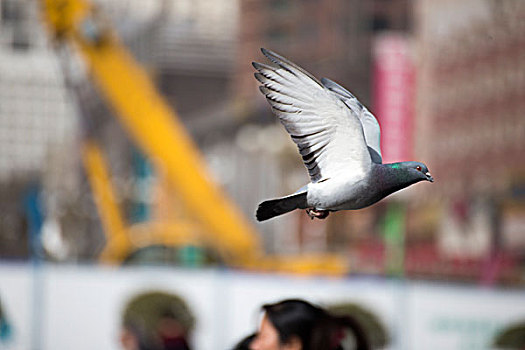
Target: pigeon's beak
[{"x": 429, "y": 177}]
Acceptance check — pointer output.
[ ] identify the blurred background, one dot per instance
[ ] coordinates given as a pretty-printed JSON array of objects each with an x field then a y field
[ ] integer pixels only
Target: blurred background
[{"x": 135, "y": 147}]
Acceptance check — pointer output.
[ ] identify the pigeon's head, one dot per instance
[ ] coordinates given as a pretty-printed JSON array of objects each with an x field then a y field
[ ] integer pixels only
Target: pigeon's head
[{"x": 418, "y": 171}]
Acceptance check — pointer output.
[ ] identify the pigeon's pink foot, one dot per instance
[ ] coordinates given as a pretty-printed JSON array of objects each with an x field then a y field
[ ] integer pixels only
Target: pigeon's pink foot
[{"x": 317, "y": 213}]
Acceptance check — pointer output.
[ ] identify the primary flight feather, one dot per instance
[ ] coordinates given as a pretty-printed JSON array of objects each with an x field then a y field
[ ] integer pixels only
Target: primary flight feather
[{"x": 338, "y": 139}]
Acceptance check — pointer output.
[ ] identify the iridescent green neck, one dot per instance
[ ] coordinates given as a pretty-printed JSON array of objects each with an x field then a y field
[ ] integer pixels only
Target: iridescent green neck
[
  {"x": 394, "y": 165},
  {"x": 392, "y": 177}
]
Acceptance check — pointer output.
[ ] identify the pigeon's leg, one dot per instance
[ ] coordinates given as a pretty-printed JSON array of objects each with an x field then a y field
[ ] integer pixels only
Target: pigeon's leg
[{"x": 317, "y": 213}]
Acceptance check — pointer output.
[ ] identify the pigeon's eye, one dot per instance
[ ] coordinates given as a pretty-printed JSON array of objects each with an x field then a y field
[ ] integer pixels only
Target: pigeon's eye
[{"x": 418, "y": 168}]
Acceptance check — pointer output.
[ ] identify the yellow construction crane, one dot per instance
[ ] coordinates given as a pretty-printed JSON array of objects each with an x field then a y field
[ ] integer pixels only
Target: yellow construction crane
[{"x": 154, "y": 126}]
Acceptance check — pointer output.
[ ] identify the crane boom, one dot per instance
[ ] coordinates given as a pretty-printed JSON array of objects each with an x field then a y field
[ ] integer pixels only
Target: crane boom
[{"x": 154, "y": 126}]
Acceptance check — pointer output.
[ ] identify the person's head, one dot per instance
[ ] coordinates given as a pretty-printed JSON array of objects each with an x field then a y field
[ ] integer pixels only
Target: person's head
[{"x": 296, "y": 325}]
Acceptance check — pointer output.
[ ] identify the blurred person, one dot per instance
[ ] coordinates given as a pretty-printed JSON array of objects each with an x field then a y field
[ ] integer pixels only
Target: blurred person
[
  {"x": 295, "y": 324},
  {"x": 156, "y": 321}
]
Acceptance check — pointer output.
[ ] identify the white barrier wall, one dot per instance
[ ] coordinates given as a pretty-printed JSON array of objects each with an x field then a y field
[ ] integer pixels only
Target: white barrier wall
[{"x": 78, "y": 307}]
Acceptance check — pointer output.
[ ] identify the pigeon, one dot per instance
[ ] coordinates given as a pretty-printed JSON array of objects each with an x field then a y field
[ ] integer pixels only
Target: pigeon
[{"x": 338, "y": 140}]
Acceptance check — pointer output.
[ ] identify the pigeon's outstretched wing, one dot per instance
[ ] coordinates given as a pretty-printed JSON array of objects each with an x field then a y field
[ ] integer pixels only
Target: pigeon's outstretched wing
[
  {"x": 329, "y": 135},
  {"x": 367, "y": 119}
]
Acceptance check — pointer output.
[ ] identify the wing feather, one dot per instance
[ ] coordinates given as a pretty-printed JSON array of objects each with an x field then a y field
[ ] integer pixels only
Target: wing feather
[
  {"x": 370, "y": 125},
  {"x": 328, "y": 133}
]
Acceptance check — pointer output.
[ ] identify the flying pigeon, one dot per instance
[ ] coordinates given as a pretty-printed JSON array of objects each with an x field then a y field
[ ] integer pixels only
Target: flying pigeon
[{"x": 338, "y": 139}]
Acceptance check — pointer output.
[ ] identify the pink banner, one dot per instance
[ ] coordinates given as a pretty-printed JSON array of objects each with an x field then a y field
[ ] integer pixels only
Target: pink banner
[{"x": 394, "y": 95}]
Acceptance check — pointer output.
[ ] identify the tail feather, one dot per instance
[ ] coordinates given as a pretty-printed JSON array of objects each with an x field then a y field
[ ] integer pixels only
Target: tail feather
[{"x": 274, "y": 207}]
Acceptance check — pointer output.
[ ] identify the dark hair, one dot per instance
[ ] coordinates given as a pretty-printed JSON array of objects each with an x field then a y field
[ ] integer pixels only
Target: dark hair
[
  {"x": 244, "y": 343},
  {"x": 312, "y": 325}
]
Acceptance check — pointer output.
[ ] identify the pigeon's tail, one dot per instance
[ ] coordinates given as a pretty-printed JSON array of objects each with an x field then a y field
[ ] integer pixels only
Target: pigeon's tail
[{"x": 279, "y": 206}]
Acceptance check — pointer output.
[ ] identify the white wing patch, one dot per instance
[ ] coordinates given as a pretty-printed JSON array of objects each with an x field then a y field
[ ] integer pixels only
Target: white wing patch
[
  {"x": 370, "y": 125},
  {"x": 328, "y": 134}
]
